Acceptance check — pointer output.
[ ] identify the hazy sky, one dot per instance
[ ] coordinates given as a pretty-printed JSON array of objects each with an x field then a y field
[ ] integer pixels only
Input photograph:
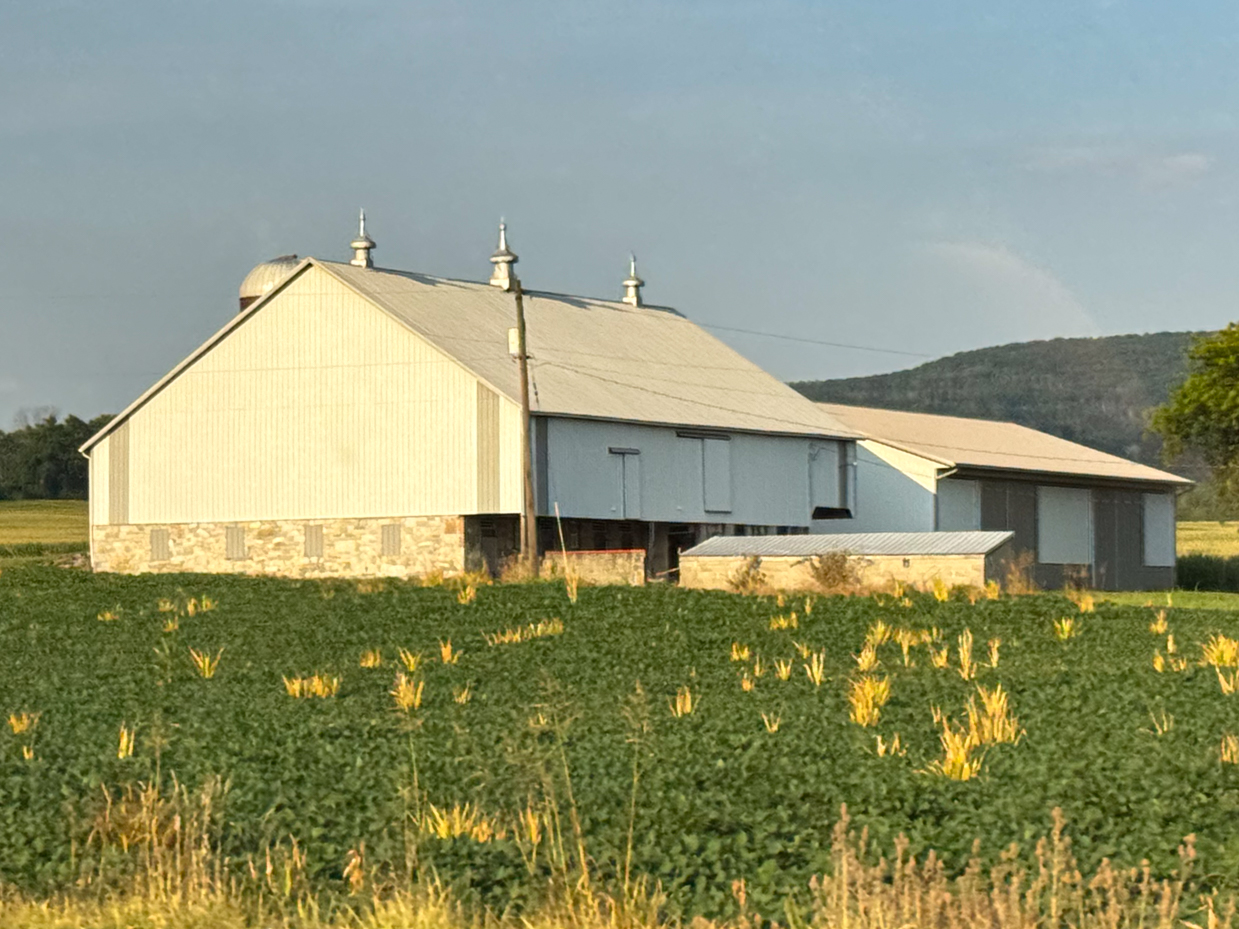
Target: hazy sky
[{"x": 920, "y": 176}]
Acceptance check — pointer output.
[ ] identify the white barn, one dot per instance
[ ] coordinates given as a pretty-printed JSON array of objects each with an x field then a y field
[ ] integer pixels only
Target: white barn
[
  {"x": 353, "y": 420},
  {"x": 1078, "y": 512}
]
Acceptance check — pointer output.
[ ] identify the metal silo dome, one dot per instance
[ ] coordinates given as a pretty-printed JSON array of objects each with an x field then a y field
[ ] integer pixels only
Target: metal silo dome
[{"x": 260, "y": 281}]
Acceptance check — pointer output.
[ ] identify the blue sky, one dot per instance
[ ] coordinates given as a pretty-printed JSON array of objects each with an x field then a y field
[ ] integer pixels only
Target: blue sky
[{"x": 919, "y": 177}]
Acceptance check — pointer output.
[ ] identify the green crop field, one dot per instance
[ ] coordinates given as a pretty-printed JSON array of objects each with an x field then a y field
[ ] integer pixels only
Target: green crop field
[{"x": 745, "y": 782}]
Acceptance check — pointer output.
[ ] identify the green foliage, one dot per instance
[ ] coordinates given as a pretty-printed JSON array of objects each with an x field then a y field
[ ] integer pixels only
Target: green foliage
[
  {"x": 40, "y": 460},
  {"x": 1093, "y": 391},
  {"x": 1202, "y": 414},
  {"x": 1208, "y": 572},
  {"x": 707, "y": 798}
]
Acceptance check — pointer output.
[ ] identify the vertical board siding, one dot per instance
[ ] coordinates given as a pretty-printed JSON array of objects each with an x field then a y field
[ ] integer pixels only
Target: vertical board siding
[
  {"x": 319, "y": 406},
  {"x": 488, "y": 449},
  {"x": 716, "y": 469},
  {"x": 893, "y": 492},
  {"x": 99, "y": 494},
  {"x": 769, "y": 479},
  {"x": 118, "y": 476}
]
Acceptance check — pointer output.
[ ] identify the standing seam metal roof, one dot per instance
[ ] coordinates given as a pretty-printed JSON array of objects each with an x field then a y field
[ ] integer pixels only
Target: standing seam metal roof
[
  {"x": 956, "y": 441},
  {"x": 590, "y": 358},
  {"x": 595, "y": 358},
  {"x": 860, "y": 543}
]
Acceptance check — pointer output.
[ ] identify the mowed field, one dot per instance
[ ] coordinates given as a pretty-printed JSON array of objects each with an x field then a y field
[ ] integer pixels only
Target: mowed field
[
  {"x": 1208, "y": 538},
  {"x": 65, "y": 521},
  {"x": 47, "y": 522},
  {"x": 446, "y": 729}
]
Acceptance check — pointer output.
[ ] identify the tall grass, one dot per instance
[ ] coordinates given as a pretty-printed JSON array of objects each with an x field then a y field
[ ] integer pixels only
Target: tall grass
[{"x": 154, "y": 860}]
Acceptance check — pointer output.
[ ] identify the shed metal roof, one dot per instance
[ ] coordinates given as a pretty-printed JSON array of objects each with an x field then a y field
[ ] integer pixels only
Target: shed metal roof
[
  {"x": 860, "y": 543},
  {"x": 959, "y": 442}
]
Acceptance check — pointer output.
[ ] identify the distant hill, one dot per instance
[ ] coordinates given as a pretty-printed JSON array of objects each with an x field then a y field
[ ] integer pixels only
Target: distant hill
[{"x": 1093, "y": 391}]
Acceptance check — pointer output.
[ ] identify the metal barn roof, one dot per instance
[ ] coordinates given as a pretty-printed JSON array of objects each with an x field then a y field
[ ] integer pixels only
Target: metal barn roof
[
  {"x": 590, "y": 358},
  {"x": 958, "y": 442},
  {"x": 594, "y": 358},
  {"x": 860, "y": 543}
]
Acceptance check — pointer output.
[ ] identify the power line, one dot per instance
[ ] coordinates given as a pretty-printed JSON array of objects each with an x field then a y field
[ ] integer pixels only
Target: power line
[{"x": 796, "y": 338}]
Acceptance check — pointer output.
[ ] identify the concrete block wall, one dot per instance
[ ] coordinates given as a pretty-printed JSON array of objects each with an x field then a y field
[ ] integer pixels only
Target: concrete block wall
[{"x": 351, "y": 548}]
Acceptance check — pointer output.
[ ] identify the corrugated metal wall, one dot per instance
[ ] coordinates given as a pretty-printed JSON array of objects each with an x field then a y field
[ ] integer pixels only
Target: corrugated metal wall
[{"x": 320, "y": 406}]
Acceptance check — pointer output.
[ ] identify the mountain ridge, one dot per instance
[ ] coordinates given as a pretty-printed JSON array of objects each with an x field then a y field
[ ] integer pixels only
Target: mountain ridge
[{"x": 1095, "y": 391}]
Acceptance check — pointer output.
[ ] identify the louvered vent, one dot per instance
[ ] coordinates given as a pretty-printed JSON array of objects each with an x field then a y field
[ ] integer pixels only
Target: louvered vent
[
  {"x": 314, "y": 541},
  {"x": 159, "y": 545},
  {"x": 234, "y": 543},
  {"x": 391, "y": 539}
]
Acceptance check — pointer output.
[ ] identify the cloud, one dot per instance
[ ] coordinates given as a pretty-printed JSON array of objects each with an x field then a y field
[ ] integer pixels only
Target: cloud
[
  {"x": 1152, "y": 168},
  {"x": 989, "y": 288},
  {"x": 9, "y": 385}
]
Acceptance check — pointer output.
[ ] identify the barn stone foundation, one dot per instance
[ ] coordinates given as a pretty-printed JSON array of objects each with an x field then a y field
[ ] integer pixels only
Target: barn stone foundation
[
  {"x": 874, "y": 571},
  {"x": 625, "y": 567},
  {"x": 288, "y": 548}
]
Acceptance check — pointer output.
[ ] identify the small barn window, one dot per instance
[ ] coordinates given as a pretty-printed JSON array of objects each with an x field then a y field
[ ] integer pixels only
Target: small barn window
[
  {"x": 1159, "y": 530},
  {"x": 159, "y": 545},
  {"x": 959, "y": 505},
  {"x": 716, "y": 474},
  {"x": 314, "y": 541},
  {"x": 390, "y": 539},
  {"x": 1064, "y": 525},
  {"x": 234, "y": 543}
]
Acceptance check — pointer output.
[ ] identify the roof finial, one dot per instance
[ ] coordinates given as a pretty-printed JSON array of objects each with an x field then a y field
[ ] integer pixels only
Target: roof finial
[
  {"x": 503, "y": 276},
  {"x": 362, "y": 245},
  {"x": 633, "y": 284}
]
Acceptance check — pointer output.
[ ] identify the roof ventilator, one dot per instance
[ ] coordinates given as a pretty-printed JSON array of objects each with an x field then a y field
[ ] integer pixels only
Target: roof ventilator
[{"x": 362, "y": 245}]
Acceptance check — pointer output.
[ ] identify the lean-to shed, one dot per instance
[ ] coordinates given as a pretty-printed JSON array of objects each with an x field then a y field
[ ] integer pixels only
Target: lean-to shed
[{"x": 1078, "y": 514}]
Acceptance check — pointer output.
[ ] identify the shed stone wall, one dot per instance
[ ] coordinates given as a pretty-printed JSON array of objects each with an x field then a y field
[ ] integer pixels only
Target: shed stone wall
[
  {"x": 623, "y": 566},
  {"x": 350, "y": 547},
  {"x": 792, "y": 572}
]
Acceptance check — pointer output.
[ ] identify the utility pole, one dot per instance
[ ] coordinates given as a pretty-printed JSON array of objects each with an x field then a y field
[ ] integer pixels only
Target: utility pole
[
  {"x": 529, "y": 518},
  {"x": 504, "y": 277}
]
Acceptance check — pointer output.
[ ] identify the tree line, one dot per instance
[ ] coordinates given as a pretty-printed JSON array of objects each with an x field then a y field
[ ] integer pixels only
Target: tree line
[{"x": 39, "y": 460}]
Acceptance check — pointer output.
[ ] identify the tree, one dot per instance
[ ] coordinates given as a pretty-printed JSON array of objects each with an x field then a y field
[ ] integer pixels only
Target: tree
[
  {"x": 41, "y": 459},
  {"x": 1202, "y": 414}
]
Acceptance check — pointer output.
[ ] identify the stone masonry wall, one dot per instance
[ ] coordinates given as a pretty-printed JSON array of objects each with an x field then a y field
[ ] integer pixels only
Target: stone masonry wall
[
  {"x": 875, "y": 571},
  {"x": 351, "y": 548},
  {"x": 623, "y": 566}
]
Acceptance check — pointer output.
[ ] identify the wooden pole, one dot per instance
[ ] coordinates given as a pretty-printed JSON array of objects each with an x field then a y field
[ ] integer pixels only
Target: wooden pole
[{"x": 529, "y": 516}]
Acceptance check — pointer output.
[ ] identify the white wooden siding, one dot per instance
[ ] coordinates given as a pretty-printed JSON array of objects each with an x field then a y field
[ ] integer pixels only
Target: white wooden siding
[
  {"x": 98, "y": 491},
  {"x": 894, "y": 492},
  {"x": 319, "y": 406}
]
